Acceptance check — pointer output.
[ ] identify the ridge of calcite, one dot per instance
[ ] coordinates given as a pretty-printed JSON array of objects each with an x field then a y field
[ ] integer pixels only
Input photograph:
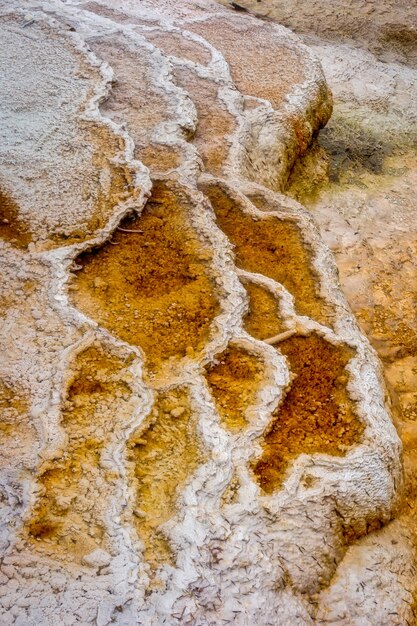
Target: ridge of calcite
[{"x": 194, "y": 428}]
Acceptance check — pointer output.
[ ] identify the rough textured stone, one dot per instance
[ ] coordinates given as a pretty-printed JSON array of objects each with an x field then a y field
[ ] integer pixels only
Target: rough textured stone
[
  {"x": 144, "y": 491},
  {"x": 359, "y": 181}
]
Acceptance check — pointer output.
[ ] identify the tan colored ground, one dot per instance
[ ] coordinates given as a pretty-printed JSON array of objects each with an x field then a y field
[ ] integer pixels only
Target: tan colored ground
[
  {"x": 359, "y": 181},
  {"x": 271, "y": 247},
  {"x": 234, "y": 381},
  {"x": 164, "y": 454},
  {"x": 196, "y": 431}
]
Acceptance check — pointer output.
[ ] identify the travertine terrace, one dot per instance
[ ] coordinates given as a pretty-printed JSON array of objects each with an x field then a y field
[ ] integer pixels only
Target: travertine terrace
[
  {"x": 194, "y": 429},
  {"x": 358, "y": 179}
]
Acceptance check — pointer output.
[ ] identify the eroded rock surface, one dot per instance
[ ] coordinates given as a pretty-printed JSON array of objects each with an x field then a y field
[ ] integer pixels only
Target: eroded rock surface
[
  {"x": 199, "y": 429},
  {"x": 359, "y": 181}
]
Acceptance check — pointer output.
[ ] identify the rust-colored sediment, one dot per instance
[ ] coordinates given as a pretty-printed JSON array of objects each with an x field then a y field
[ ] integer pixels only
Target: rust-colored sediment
[
  {"x": 12, "y": 228},
  {"x": 234, "y": 382},
  {"x": 163, "y": 455},
  {"x": 151, "y": 288},
  {"x": 263, "y": 318},
  {"x": 68, "y": 516},
  {"x": 179, "y": 46},
  {"x": 214, "y": 121},
  {"x": 316, "y": 414},
  {"x": 255, "y": 58},
  {"x": 272, "y": 247}
]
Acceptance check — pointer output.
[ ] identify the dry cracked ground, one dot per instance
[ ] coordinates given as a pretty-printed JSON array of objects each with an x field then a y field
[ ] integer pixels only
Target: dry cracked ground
[{"x": 195, "y": 429}]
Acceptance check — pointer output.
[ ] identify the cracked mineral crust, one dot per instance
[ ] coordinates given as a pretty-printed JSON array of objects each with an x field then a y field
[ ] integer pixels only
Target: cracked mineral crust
[{"x": 194, "y": 429}]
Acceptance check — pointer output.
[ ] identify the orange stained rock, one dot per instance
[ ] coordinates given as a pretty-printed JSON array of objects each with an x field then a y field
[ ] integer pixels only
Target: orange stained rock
[
  {"x": 177, "y": 45},
  {"x": 263, "y": 318},
  {"x": 260, "y": 65},
  {"x": 164, "y": 454},
  {"x": 316, "y": 414},
  {"x": 75, "y": 487},
  {"x": 234, "y": 381},
  {"x": 152, "y": 288},
  {"x": 12, "y": 227},
  {"x": 270, "y": 246},
  {"x": 214, "y": 124}
]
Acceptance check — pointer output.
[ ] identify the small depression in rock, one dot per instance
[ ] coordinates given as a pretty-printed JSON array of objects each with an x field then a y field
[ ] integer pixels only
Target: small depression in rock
[
  {"x": 164, "y": 454},
  {"x": 270, "y": 246},
  {"x": 73, "y": 488},
  {"x": 150, "y": 285},
  {"x": 316, "y": 415},
  {"x": 263, "y": 318},
  {"x": 234, "y": 381},
  {"x": 12, "y": 227}
]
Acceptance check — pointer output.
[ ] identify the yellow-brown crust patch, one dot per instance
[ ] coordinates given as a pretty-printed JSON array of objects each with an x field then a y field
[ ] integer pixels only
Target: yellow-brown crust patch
[
  {"x": 316, "y": 414},
  {"x": 234, "y": 382},
  {"x": 151, "y": 288}
]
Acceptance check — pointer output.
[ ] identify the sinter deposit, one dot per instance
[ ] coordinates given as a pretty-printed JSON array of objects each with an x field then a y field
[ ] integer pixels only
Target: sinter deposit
[{"x": 195, "y": 431}]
